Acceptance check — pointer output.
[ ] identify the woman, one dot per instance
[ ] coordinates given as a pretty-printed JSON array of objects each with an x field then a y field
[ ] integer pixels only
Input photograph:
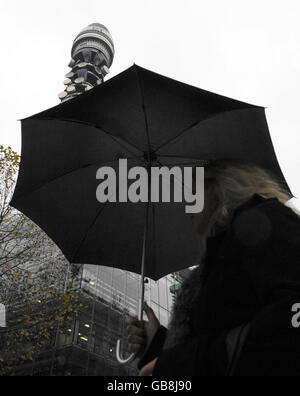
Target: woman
[{"x": 233, "y": 315}]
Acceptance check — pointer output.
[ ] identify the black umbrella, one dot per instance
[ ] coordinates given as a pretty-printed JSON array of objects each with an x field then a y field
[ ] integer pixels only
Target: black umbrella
[{"x": 151, "y": 120}]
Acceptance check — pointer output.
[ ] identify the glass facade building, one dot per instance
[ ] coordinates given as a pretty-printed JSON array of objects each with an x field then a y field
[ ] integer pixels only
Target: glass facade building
[{"x": 85, "y": 345}]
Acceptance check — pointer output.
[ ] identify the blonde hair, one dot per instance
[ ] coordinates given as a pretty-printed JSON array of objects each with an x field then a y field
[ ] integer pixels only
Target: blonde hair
[{"x": 229, "y": 184}]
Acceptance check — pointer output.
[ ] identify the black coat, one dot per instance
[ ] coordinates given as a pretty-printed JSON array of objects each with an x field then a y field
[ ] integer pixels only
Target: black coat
[{"x": 251, "y": 281}]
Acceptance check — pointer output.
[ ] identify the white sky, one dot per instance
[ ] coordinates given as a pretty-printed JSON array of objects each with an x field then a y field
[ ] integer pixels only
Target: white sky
[{"x": 248, "y": 50}]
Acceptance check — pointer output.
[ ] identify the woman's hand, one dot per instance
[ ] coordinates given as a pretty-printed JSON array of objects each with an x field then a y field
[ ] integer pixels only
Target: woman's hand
[
  {"x": 147, "y": 370},
  {"x": 140, "y": 333}
]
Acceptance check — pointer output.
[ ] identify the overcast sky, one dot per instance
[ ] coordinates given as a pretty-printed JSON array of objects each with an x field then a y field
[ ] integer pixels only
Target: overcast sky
[{"x": 247, "y": 50}]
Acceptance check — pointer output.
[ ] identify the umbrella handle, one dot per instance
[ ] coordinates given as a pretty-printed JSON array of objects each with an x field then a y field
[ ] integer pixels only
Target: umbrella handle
[
  {"x": 130, "y": 358},
  {"x": 120, "y": 358},
  {"x": 140, "y": 310}
]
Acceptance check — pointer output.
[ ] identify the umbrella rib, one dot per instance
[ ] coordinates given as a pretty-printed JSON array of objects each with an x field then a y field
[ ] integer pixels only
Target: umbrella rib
[
  {"x": 195, "y": 160},
  {"x": 66, "y": 174},
  {"x": 196, "y": 123},
  {"x": 175, "y": 178},
  {"x": 88, "y": 230},
  {"x": 191, "y": 163},
  {"x": 120, "y": 141},
  {"x": 144, "y": 110}
]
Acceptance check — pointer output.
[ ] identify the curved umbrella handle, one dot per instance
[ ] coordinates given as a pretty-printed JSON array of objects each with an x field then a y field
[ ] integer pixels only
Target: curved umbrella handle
[
  {"x": 140, "y": 309},
  {"x": 120, "y": 358}
]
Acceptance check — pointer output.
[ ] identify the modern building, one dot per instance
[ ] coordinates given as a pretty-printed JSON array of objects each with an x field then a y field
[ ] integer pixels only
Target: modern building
[{"x": 85, "y": 345}]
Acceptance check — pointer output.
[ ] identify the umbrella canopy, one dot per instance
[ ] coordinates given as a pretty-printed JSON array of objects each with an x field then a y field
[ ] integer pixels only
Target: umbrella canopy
[{"x": 151, "y": 120}]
